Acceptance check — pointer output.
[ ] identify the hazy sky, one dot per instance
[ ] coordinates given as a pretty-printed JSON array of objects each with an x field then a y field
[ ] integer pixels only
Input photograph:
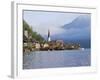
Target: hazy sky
[
  {"x": 74, "y": 27},
  {"x": 41, "y": 21}
]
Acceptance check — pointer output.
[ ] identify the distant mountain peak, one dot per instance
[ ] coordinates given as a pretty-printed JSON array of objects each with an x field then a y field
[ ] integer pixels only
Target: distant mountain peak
[{"x": 80, "y": 22}]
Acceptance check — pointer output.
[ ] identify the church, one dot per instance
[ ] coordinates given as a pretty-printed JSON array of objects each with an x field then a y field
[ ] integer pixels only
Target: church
[{"x": 49, "y": 38}]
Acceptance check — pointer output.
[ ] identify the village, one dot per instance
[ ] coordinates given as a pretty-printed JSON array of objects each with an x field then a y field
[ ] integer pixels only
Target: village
[{"x": 30, "y": 44}]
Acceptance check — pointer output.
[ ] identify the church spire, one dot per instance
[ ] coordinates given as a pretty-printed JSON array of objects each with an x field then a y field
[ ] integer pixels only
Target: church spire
[{"x": 49, "y": 39}]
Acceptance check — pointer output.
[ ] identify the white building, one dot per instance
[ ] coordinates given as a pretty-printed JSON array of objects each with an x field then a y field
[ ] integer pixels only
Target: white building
[
  {"x": 37, "y": 46},
  {"x": 26, "y": 33},
  {"x": 49, "y": 39}
]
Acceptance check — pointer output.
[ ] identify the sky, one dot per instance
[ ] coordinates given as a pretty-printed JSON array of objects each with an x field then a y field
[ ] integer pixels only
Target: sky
[
  {"x": 42, "y": 21},
  {"x": 62, "y": 25}
]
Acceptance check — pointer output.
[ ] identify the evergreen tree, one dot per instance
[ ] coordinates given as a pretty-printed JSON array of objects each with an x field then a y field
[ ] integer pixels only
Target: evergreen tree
[{"x": 32, "y": 33}]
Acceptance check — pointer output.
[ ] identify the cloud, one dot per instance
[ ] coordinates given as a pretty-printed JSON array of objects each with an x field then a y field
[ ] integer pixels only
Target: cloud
[
  {"x": 61, "y": 25},
  {"x": 41, "y": 21}
]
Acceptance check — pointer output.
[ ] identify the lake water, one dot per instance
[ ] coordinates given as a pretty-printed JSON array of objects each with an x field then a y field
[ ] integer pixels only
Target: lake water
[{"x": 54, "y": 59}]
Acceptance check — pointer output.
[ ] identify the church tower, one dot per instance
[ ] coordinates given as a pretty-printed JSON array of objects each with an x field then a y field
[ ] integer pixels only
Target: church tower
[{"x": 49, "y": 39}]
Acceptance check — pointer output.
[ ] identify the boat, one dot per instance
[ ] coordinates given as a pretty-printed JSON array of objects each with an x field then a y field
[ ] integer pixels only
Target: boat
[{"x": 82, "y": 48}]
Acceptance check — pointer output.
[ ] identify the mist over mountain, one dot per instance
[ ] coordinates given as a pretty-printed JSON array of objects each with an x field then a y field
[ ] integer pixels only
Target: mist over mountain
[
  {"x": 80, "y": 22},
  {"x": 78, "y": 31}
]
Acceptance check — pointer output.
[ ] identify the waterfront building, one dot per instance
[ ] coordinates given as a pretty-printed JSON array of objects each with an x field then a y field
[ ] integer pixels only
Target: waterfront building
[
  {"x": 37, "y": 46},
  {"x": 26, "y": 33},
  {"x": 45, "y": 45}
]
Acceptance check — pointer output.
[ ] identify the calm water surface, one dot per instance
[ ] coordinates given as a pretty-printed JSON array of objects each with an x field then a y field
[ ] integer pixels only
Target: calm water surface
[{"x": 53, "y": 59}]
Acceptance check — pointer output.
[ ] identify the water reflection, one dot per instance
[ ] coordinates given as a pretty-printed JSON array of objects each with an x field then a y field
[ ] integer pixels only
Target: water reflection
[{"x": 53, "y": 59}]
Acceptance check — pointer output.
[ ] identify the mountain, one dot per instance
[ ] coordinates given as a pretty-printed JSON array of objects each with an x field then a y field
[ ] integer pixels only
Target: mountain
[
  {"x": 79, "y": 23},
  {"x": 31, "y": 33},
  {"x": 77, "y": 31}
]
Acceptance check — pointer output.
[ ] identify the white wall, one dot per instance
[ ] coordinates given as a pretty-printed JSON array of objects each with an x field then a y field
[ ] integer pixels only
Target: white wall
[{"x": 5, "y": 40}]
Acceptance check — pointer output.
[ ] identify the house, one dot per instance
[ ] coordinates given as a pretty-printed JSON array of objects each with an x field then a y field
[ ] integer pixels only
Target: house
[
  {"x": 45, "y": 45},
  {"x": 37, "y": 46}
]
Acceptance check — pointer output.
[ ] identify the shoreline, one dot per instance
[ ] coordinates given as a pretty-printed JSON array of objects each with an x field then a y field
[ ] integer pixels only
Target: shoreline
[{"x": 56, "y": 50}]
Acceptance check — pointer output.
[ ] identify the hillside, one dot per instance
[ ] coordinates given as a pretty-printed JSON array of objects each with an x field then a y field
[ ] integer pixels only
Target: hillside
[
  {"x": 79, "y": 23},
  {"x": 34, "y": 34},
  {"x": 77, "y": 31}
]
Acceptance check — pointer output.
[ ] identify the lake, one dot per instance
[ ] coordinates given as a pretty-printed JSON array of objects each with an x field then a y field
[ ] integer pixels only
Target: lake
[{"x": 55, "y": 59}]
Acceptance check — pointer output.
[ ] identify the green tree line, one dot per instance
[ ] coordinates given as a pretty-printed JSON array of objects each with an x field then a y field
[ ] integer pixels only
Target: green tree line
[{"x": 34, "y": 34}]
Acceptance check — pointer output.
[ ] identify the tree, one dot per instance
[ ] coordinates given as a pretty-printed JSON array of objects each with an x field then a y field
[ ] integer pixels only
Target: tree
[{"x": 32, "y": 33}]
